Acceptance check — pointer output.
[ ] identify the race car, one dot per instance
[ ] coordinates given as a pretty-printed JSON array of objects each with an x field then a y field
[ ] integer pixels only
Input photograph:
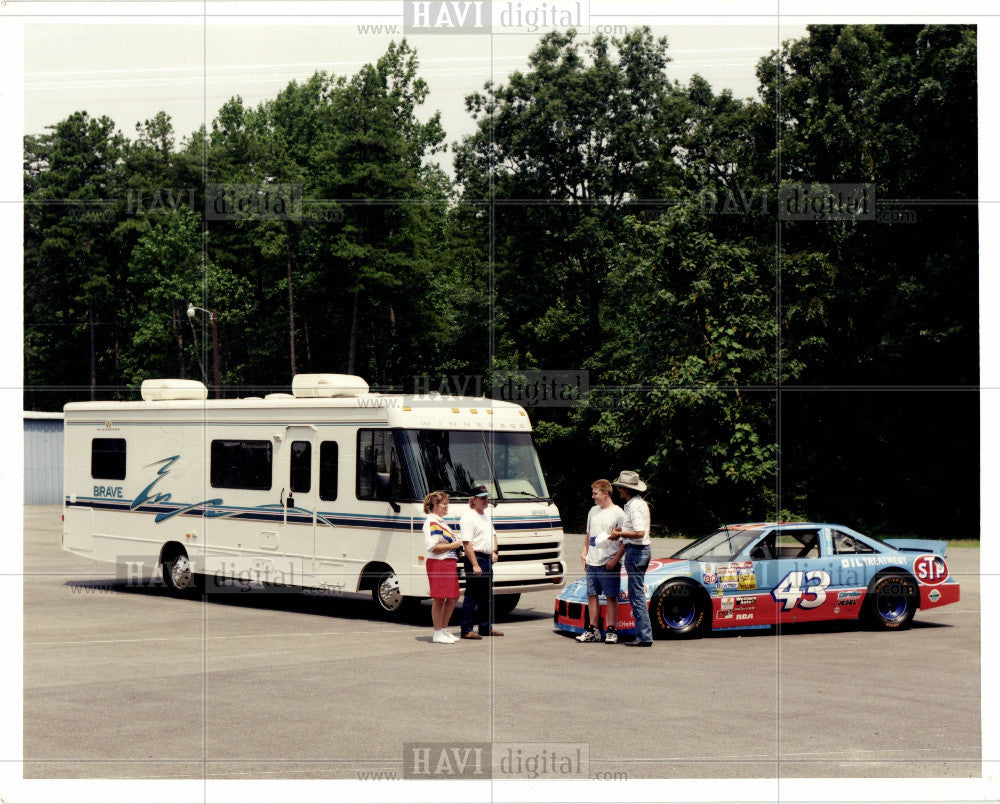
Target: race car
[{"x": 764, "y": 574}]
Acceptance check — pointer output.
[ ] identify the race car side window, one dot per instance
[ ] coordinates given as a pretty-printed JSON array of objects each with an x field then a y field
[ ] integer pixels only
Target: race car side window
[
  {"x": 845, "y": 544},
  {"x": 764, "y": 550},
  {"x": 796, "y": 543}
]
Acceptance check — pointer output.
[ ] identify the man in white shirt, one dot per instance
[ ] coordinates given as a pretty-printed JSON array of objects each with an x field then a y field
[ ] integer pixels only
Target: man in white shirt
[
  {"x": 600, "y": 561},
  {"x": 479, "y": 541},
  {"x": 634, "y": 540}
]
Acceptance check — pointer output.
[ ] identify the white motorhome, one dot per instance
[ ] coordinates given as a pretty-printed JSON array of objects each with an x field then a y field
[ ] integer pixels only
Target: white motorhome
[{"x": 321, "y": 488}]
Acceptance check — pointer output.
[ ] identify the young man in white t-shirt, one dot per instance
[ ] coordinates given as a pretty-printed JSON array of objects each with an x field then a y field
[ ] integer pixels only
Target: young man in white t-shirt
[{"x": 600, "y": 560}]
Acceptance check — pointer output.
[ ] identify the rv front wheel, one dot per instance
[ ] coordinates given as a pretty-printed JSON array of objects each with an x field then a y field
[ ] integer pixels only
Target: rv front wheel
[
  {"x": 389, "y": 600},
  {"x": 505, "y": 604}
]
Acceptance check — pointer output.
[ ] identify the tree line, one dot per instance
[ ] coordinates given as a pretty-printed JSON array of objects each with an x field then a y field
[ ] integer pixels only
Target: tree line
[{"x": 775, "y": 301}]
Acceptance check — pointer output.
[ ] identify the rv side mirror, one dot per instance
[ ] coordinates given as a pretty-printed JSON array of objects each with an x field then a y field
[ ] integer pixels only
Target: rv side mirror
[
  {"x": 289, "y": 501},
  {"x": 383, "y": 489}
]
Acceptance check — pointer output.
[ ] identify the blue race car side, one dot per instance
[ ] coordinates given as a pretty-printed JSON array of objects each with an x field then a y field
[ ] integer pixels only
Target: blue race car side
[{"x": 760, "y": 575}]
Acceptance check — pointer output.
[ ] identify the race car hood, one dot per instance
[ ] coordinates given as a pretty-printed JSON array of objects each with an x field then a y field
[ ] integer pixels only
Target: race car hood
[{"x": 918, "y": 545}]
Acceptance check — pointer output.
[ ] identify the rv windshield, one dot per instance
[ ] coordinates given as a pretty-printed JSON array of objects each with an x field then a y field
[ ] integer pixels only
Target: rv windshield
[{"x": 456, "y": 460}]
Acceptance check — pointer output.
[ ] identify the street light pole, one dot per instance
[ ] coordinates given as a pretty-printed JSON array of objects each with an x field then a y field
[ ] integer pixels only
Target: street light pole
[{"x": 191, "y": 310}]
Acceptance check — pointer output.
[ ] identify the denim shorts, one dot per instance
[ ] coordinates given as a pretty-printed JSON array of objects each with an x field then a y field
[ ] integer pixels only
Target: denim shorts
[{"x": 602, "y": 580}]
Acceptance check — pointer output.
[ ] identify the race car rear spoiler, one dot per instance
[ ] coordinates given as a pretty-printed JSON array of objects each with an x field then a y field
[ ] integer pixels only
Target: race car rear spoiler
[{"x": 918, "y": 545}]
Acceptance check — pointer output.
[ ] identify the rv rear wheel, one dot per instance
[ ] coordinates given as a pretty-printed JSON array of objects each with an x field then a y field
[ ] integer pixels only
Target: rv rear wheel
[{"x": 178, "y": 574}]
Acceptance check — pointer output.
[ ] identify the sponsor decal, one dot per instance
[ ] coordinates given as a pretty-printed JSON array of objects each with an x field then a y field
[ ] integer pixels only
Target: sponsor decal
[
  {"x": 848, "y": 599},
  {"x": 935, "y": 595},
  {"x": 728, "y": 585},
  {"x": 746, "y": 616},
  {"x": 711, "y": 577},
  {"x": 746, "y": 600},
  {"x": 930, "y": 570},
  {"x": 747, "y": 581},
  {"x": 727, "y": 603},
  {"x": 836, "y": 609},
  {"x": 717, "y": 592},
  {"x": 869, "y": 561}
]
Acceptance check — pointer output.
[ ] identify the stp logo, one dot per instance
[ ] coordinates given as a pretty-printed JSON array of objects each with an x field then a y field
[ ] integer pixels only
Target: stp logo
[{"x": 930, "y": 569}]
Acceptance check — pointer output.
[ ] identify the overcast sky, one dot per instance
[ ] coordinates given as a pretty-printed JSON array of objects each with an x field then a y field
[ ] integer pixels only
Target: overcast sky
[{"x": 129, "y": 70}]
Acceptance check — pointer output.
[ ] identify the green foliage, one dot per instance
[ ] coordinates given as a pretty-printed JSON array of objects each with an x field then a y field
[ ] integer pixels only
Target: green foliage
[{"x": 603, "y": 218}]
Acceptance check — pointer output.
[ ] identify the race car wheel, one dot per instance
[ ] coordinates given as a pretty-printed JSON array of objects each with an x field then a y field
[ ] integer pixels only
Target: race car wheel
[
  {"x": 677, "y": 609},
  {"x": 892, "y": 602}
]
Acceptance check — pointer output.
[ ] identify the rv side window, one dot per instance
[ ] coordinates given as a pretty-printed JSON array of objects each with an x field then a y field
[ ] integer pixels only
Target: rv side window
[
  {"x": 380, "y": 475},
  {"x": 328, "y": 470},
  {"x": 107, "y": 458},
  {"x": 300, "y": 470},
  {"x": 241, "y": 465}
]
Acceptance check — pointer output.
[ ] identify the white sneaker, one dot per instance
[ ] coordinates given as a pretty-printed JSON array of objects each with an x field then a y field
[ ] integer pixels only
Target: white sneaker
[
  {"x": 449, "y": 636},
  {"x": 439, "y": 637}
]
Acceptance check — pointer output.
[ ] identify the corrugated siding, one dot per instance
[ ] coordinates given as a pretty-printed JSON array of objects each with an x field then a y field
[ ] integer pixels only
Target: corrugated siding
[{"x": 43, "y": 461}]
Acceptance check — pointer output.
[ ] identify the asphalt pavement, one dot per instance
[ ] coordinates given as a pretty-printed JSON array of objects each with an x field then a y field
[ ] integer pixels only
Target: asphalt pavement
[{"x": 133, "y": 682}]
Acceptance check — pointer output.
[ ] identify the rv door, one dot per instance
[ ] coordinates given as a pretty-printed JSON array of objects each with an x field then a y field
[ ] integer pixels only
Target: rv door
[{"x": 297, "y": 474}]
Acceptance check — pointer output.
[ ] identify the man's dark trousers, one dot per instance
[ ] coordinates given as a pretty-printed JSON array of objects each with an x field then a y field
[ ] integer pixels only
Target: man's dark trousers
[{"x": 476, "y": 605}]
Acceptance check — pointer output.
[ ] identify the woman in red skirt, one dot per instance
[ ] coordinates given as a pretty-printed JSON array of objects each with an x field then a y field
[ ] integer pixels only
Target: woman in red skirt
[{"x": 442, "y": 568}]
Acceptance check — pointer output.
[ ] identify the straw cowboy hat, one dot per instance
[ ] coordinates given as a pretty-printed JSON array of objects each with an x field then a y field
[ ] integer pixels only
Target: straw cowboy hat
[{"x": 629, "y": 480}]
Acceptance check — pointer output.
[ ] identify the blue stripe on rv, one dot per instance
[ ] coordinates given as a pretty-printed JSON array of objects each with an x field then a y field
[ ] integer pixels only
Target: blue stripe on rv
[{"x": 261, "y": 515}]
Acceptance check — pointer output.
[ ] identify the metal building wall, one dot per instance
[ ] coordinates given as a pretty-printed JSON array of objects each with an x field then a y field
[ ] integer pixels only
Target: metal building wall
[{"x": 43, "y": 459}]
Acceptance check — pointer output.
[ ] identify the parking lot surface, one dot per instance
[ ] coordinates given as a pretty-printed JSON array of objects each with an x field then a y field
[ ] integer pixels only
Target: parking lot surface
[{"x": 123, "y": 681}]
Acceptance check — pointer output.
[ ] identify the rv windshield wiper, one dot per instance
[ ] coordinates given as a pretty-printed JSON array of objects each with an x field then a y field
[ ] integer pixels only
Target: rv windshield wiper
[{"x": 534, "y": 498}]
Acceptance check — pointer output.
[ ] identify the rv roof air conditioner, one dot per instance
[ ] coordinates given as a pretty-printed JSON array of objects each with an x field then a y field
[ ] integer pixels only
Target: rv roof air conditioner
[
  {"x": 161, "y": 390},
  {"x": 328, "y": 385}
]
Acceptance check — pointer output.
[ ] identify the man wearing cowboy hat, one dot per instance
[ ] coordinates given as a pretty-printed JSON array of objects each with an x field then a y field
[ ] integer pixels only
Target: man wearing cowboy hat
[{"x": 634, "y": 536}]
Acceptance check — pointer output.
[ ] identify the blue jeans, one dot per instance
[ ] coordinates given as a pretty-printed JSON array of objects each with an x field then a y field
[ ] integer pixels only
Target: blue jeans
[
  {"x": 635, "y": 562},
  {"x": 476, "y": 605}
]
